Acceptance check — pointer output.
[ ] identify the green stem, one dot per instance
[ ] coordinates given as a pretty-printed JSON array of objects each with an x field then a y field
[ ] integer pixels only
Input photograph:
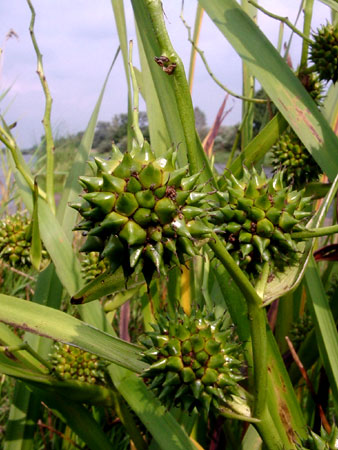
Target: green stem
[
  {"x": 29, "y": 349},
  {"x": 19, "y": 162},
  {"x": 257, "y": 322},
  {"x": 197, "y": 30},
  {"x": 308, "y": 234},
  {"x": 236, "y": 141},
  {"x": 46, "y": 121},
  {"x": 306, "y": 31},
  {"x": 181, "y": 88},
  {"x": 135, "y": 122},
  {"x": 281, "y": 19}
]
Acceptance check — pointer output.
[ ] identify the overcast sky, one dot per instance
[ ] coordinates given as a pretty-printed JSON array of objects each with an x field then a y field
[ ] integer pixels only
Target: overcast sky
[{"x": 78, "y": 40}]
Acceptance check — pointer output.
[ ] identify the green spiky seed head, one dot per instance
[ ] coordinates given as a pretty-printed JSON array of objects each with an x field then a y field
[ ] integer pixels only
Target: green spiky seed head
[
  {"x": 299, "y": 167},
  {"x": 92, "y": 266},
  {"x": 324, "y": 52},
  {"x": 15, "y": 240},
  {"x": 72, "y": 363},
  {"x": 141, "y": 213},
  {"x": 194, "y": 361},
  {"x": 326, "y": 441},
  {"x": 258, "y": 217}
]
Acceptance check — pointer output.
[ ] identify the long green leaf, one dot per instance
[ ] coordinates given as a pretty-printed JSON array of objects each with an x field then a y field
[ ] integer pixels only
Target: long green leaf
[
  {"x": 62, "y": 327},
  {"x": 36, "y": 247},
  {"x": 331, "y": 3},
  {"x": 21, "y": 425},
  {"x": 161, "y": 424},
  {"x": 326, "y": 331},
  {"x": 55, "y": 240},
  {"x": 102, "y": 285},
  {"x": 259, "y": 146},
  {"x": 278, "y": 81}
]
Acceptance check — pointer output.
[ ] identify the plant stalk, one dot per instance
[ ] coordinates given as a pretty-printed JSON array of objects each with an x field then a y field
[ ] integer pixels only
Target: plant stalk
[
  {"x": 257, "y": 322},
  {"x": 308, "y": 234},
  {"x": 46, "y": 121},
  {"x": 306, "y": 31}
]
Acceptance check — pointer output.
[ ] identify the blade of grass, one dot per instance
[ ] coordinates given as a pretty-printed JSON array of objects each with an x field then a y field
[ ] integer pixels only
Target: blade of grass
[
  {"x": 65, "y": 328},
  {"x": 331, "y": 3},
  {"x": 36, "y": 247},
  {"x": 248, "y": 88},
  {"x": 195, "y": 37},
  {"x": 326, "y": 332},
  {"x": 46, "y": 121},
  {"x": 21, "y": 425},
  {"x": 121, "y": 27},
  {"x": 103, "y": 285},
  {"x": 258, "y": 147},
  {"x": 161, "y": 424}
]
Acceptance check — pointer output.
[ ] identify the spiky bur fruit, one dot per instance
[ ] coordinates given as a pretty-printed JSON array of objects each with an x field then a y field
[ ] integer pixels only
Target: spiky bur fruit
[
  {"x": 327, "y": 441},
  {"x": 194, "y": 362},
  {"x": 300, "y": 329},
  {"x": 92, "y": 266},
  {"x": 72, "y": 363},
  {"x": 15, "y": 240},
  {"x": 141, "y": 213},
  {"x": 257, "y": 216},
  {"x": 324, "y": 52},
  {"x": 299, "y": 167}
]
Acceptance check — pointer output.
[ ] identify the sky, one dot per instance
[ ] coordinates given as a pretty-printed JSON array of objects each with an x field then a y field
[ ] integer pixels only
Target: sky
[{"x": 78, "y": 40}]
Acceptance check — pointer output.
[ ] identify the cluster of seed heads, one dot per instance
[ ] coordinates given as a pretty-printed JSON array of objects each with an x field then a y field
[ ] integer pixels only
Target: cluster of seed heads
[
  {"x": 142, "y": 213},
  {"x": 72, "y": 363},
  {"x": 194, "y": 362},
  {"x": 15, "y": 240}
]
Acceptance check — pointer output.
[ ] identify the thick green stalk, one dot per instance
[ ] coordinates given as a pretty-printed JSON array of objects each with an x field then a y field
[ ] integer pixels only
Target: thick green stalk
[
  {"x": 257, "y": 323},
  {"x": 181, "y": 88},
  {"x": 197, "y": 29},
  {"x": 308, "y": 234},
  {"x": 135, "y": 122},
  {"x": 271, "y": 426},
  {"x": 46, "y": 121}
]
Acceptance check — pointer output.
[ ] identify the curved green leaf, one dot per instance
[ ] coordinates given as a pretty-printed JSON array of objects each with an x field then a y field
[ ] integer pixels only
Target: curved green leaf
[{"x": 62, "y": 327}]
